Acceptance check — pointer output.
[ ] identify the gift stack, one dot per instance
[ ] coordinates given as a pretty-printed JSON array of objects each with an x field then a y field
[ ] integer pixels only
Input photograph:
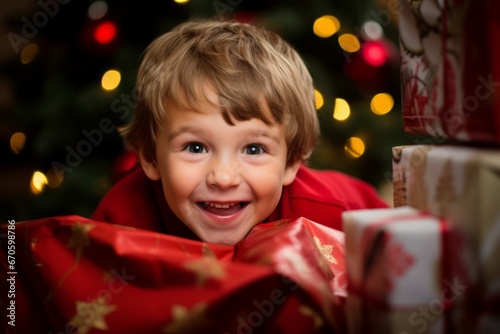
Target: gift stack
[{"x": 431, "y": 264}]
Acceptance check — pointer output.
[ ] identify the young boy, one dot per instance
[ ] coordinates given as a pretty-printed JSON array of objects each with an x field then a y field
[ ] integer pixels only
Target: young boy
[{"x": 224, "y": 124}]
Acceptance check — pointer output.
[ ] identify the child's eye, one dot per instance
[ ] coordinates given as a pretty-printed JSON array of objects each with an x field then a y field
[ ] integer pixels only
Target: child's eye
[
  {"x": 253, "y": 150},
  {"x": 195, "y": 148}
]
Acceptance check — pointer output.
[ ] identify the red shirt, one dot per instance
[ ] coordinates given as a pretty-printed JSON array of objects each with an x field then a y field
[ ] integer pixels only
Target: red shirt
[{"x": 320, "y": 196}]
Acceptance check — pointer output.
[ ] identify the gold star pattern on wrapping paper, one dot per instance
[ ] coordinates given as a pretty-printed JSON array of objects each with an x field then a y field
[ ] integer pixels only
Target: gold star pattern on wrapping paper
[
  {"x": 326, "y": 250},
  {"x": 79, "y": 237},
  {"x": 205, "y": 268},
  {"x": 206, "y": 251},
  {"x": 309, "y": 312},
  {"x": 92, "y": 315},
  {"x": 184, "y": 248},
  {"x": 187, "y": 321},
  {"x": 281, "y": 222}
]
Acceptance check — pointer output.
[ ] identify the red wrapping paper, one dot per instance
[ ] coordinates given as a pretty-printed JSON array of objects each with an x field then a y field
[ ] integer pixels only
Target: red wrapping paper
[
  {"x": 75, "y": 275},
  {"x": 318, "y": 266},
  {"x": 449, "y": 69}
]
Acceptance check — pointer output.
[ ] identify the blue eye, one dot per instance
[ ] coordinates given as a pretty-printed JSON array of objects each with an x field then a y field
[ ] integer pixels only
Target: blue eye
[
  {"x": 196, "y": 148},
  {"x": 254, "y": 150}
]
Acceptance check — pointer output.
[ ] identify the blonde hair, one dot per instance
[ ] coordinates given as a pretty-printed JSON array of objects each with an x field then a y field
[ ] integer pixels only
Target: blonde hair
[{"x": 244, "y": 64}]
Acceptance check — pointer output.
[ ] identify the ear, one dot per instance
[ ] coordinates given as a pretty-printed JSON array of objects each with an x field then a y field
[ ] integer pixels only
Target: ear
[
  {"x": 149, "y": 167},
  {"x": 291, "y": 172}
]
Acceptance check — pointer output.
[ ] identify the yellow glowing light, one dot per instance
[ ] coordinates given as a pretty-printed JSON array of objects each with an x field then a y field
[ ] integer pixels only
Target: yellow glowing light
[
  {"x": 111, "y": 79},
  {"x": 29, "y": 53},
  {"x": 17, "y": 142},
  {"x": 354, "y": 147},
  {"x": 181, "y": 1},
  {"x": 349, "y": 42},
  {"x": 318, "y": 98},
  {"x": 382, "y": 103},
  {"x": 326, "y": 26},
  {"x": 38, "y": 182},
  {"x": 341, "y": 111}
]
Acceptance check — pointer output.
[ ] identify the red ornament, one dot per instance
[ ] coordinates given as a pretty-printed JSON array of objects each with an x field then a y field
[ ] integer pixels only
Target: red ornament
[
  {"x": 371, "y": 64},
  {"x": 375, "y": 53},
  {"x": 105, "y": 32}
]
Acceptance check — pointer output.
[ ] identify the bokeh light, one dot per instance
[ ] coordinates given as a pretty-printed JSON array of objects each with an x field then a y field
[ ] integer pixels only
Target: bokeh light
[
  {"x": 181, "y": 1},
  {"x": 318, "y": 98},
  {"x": 38, "y": 182},
  {"x": 105, "y": 32},
  {"x": 97, "y": 10},
  {"x": 382, "y": 103},
  {"x": 375, "y": 53},
  {"x": 349, "y": 43},
  {"x": 111, "y": 79},
  {"x": 371, "y": 31},
  {"x": 354, "y": 147},
  {"x": 326, "y": 26},
  {"x": 17, "y": 141},
  {"x": 341, "y": 111},
  {"x": 29, "y": 53}
]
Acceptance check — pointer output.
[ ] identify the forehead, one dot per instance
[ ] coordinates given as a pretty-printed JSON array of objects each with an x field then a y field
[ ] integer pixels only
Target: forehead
[
  {"x": 211, "y": 113},
  {"x": 235, "y": 106}
]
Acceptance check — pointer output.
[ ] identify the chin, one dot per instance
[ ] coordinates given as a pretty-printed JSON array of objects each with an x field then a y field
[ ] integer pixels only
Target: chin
[{"x": 230, "y": 240}]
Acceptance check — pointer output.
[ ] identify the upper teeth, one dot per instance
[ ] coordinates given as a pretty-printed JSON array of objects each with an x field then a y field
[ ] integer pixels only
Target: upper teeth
[{"x": 220, "y": 206}]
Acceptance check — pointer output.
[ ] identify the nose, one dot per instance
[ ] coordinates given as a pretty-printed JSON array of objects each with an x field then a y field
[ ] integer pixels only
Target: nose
[{"x": 224, "y": 174}]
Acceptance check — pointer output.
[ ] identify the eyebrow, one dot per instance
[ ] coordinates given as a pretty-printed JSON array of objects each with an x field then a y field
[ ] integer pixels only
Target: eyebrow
[
  {"x": 263, "y": 133},
  {"x": 253, "y": 133},
  {"x": 185, "y": 129}
]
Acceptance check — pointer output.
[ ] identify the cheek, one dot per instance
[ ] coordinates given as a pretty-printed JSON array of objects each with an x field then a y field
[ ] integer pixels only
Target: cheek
[
  {"x": 179, "y": 181},
  {"x": 267, "y": 183}
]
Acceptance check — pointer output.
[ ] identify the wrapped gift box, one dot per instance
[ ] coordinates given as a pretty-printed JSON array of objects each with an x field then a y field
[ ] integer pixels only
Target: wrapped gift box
[
  {"x": 450, "y": 72},
  {"x": 76, "y": 275},
  {"x": 461, "y": 184},
  {"x": 401, "y": 268}
]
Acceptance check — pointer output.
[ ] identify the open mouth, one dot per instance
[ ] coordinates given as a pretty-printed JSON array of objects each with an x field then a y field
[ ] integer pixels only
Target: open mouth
[{"x": 222, "y": 209}]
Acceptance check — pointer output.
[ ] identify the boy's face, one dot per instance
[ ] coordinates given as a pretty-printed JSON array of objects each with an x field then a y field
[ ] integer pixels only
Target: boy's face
[{"x": 220, "y": 179}]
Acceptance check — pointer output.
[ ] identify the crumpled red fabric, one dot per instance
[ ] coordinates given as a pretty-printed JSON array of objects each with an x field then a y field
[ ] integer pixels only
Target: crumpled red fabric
[{"x": 76, "y": 275}]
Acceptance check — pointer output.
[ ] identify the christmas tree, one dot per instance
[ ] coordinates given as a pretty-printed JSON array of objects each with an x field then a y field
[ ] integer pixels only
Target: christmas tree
[{"x": 67, "y": 83}]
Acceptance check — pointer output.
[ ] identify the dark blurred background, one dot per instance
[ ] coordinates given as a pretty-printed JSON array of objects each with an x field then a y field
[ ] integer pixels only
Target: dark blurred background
[{"x": 59, "y": 105}]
